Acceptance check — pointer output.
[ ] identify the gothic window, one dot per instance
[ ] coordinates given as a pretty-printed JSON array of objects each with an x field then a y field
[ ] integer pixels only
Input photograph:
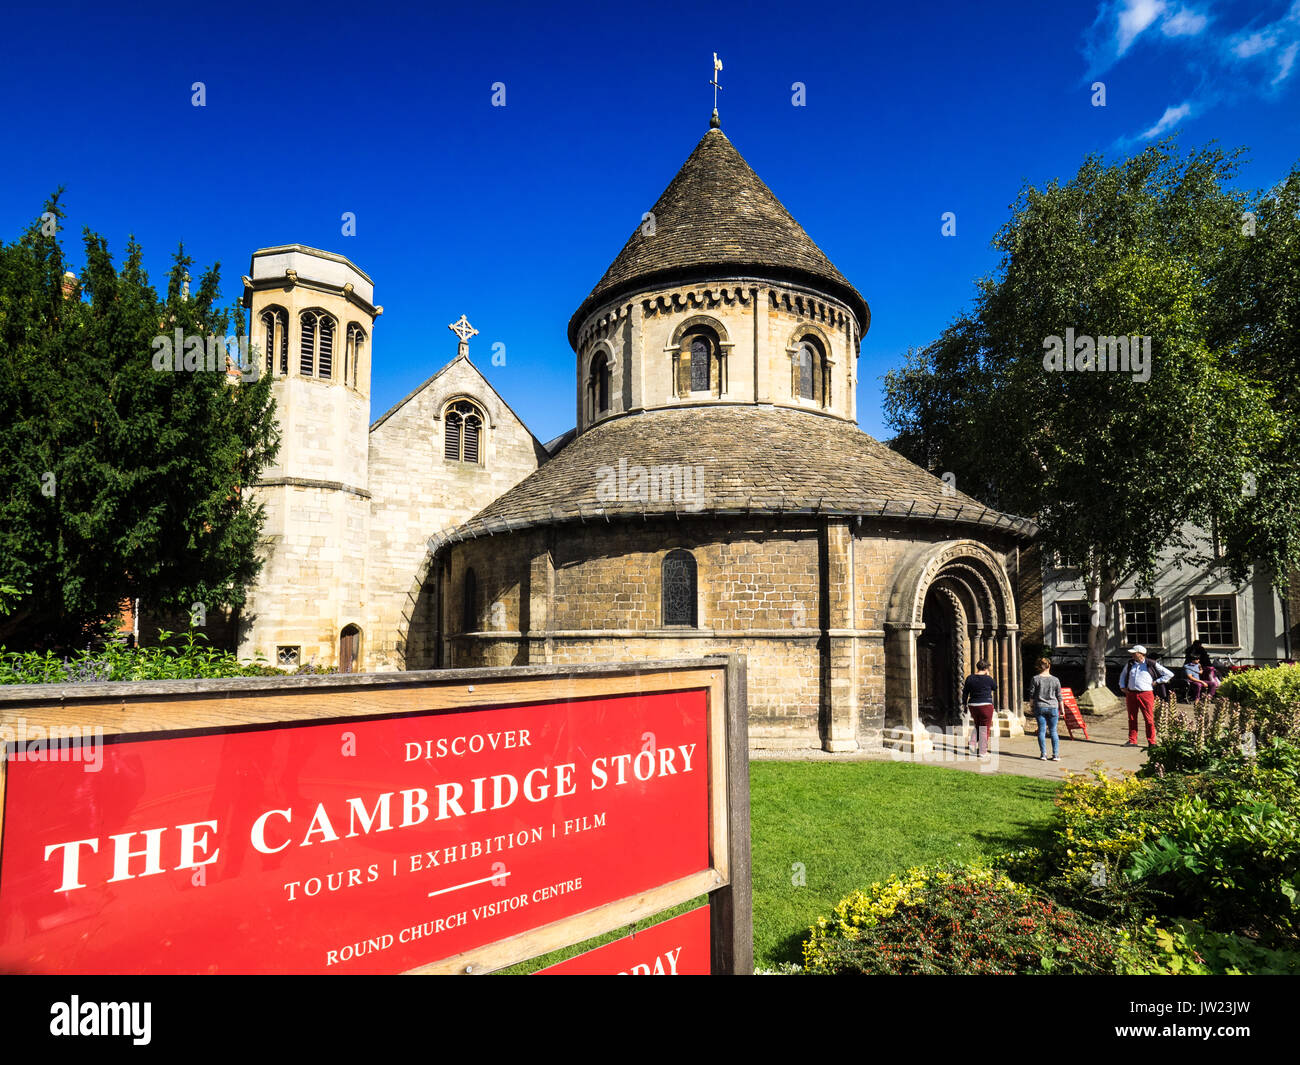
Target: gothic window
[
  {"x": 463, "y": 436},
  {"x": 679, "y": 589},
  {"x": 355, "y": 342},
  {"x": 275, "y": 330},
  {"x": 316, "y": 349},
  {"x": 598, "y": 385},
  {"x": 812, "y": 373},
  {"x": 469, "y": 603}
]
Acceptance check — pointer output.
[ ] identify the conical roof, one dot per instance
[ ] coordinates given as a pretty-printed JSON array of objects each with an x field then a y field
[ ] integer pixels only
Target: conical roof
[
  {"x": 717, "y": 212},
  {"x": 730, "y": 460}
]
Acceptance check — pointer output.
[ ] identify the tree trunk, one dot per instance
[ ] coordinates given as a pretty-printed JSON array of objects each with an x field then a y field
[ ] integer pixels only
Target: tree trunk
[{"x": 1100, "y": 593}]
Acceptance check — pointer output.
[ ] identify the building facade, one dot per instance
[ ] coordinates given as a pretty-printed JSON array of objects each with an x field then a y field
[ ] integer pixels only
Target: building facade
[{"x": 715, "y": 494}]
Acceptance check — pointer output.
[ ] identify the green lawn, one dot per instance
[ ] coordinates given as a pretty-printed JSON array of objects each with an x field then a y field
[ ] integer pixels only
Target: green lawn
[{"x": 851, "y": 823}]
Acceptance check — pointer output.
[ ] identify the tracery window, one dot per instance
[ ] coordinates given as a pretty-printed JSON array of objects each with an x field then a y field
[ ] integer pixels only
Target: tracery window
[
  {"x": 353, "y": 345},
  {"x": 679, "y": 589},
  {"x": 463, "y": 436},
  {"x": 275, "y": 331},
  {"x": 316, "y": 348}
]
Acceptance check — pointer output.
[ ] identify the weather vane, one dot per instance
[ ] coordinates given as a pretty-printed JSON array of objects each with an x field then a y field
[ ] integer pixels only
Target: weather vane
[
  {"x": 714, "y": 122},
  {"x": 463, "y": 330}
]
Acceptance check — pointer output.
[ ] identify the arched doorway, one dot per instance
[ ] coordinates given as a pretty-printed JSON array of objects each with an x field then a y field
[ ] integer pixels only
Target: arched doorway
[
  {"x": 951, "y": 604},
  {"x": 349, "y": 649},
  {"x": 939, "y": 658}
]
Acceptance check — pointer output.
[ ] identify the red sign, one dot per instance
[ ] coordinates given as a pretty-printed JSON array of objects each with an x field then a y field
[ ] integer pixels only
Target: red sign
[
  {"x": 1073, "y": 718},
  {"x": 360, "y": 846},
  {"x": 676, "y": 947}
]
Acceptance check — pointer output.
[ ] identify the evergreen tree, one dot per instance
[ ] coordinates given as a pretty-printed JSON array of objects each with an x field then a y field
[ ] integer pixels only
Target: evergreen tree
[{"x": 119, "y": 480}]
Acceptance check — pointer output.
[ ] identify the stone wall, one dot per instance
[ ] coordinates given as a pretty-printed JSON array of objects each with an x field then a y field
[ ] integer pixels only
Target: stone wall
[
  {"x": 759, "y": 326},
  {"x": 804, "y": 598},
  {"x": 416, "y": 492}
]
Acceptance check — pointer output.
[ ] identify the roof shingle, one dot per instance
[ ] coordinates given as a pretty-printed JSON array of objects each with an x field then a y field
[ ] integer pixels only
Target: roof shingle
[
  {"x": 718, "y": 213},
  {"x": 696, "y": 461}
]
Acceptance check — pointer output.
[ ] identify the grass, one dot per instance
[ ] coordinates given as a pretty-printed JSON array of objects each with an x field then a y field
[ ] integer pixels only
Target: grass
[{"x": 851, "y": 823}]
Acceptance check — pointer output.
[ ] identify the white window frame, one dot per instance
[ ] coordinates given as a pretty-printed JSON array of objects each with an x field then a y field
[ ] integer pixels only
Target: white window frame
[
  {"x": 1060, "y": 625},
  {"x": 1128, "y": 639},
  {"x": 1192, "y": 600}
]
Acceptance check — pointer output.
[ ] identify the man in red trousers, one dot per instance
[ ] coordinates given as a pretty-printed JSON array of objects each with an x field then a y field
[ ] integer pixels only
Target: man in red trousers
[{"x": 1137, "y": 681}]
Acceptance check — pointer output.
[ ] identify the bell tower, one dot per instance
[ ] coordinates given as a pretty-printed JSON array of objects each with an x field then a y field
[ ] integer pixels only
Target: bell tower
[{"x": 311, "y": 319}]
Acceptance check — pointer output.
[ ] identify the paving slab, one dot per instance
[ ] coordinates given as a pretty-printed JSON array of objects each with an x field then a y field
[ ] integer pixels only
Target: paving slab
[{"x": 1008, "y": 754}]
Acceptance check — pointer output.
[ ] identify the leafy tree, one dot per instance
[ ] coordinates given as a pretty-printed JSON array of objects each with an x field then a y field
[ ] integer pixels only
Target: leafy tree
[
  {"x": 119, "y": 480},
  {"x": 1115, "y": 465}
]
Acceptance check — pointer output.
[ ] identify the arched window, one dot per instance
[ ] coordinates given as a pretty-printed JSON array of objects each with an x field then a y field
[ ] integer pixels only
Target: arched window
[
  {"x": 275, "y": 331},
  {"x": 355, "y": 343},
  {"x": 679, "y": 589},
  {"x": 700, "y": 363},
  {"x": 469, "y": 603},
  {"x": 811, "y": 377},
  {"x": 598, "y": 386},
  {"x": 463, "y": 437},
  {"x": 316, "y": 350}
]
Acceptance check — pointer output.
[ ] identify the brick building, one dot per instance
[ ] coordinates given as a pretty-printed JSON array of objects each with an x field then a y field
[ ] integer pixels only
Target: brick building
[{"x": 715, "y": 494}]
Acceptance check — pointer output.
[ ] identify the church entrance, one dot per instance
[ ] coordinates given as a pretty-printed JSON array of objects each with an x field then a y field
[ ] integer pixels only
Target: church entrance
[{"x": 938, "y": 668}]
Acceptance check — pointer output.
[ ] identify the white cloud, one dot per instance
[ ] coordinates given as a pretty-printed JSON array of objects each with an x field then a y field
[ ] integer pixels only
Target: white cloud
[
  {"x": 1253, "y": 45},
  {"x": 1135, "y": 17},
  {"x": 1286, "y": 62},
  {"x": 1171, "y": 118},
  {"x": 1184, "y": 23}
]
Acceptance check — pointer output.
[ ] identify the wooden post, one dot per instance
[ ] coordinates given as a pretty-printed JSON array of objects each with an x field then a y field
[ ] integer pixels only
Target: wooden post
[{"x": 731, "y": 908}]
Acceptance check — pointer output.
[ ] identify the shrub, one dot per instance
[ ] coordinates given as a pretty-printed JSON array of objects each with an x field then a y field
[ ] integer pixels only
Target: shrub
[
  {"x": 1237, "y": 867},
  {"x": 181, "y": 656},
  {"x": 1270, "y": 696},
  {"x": 1185, "y": 948},
  {"x": 961, "y": 922}
]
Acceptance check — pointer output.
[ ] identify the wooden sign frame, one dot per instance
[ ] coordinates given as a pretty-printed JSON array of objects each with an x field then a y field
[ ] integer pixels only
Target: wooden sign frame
[{"x": 157, "y": 709}]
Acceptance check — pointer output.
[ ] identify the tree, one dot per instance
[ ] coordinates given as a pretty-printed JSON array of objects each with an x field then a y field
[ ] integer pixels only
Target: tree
[
  {"x": 1115, "y": 462},
  {"x": 119, "y": 480}
]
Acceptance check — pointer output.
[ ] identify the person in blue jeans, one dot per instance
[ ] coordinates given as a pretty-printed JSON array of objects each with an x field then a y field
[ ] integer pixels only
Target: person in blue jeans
[{"x": 1045, "y": 697}]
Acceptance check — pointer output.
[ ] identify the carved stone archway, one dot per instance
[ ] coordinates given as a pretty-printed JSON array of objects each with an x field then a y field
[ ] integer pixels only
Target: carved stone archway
[{"x": 974, "y": 577}]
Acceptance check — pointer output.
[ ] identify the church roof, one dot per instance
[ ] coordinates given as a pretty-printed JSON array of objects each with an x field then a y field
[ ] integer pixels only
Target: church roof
[
  {"x": 799, "y": 463},
  {"x": 717, "y": 212}
]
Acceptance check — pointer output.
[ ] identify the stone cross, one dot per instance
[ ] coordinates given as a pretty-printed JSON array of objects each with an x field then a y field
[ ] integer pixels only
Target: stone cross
[{"x": 463, "y": 330}]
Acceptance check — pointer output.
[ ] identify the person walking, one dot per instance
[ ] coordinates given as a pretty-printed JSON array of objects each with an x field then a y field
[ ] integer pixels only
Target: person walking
[
  {"x": 1049, "y": 707},
  {"x": 977, "y": 698},
  {"x": 1137, "y": 681}
]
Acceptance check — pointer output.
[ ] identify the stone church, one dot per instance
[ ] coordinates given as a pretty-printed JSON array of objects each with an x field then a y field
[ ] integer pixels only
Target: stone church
[{"x": 715, "y": 494}]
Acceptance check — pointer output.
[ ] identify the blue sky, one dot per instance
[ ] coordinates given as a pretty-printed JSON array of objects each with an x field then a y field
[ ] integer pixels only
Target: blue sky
[{"x": 511, "y": 214}]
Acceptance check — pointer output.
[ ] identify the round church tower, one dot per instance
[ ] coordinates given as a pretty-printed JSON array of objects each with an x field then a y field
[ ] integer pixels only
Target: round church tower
[
  {"x": 717, "y": 495},
  {"x": 719, "y": 297}
]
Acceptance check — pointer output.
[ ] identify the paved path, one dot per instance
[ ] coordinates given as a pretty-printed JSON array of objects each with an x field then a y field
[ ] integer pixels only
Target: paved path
[{"x": 1015, "y": 754}]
